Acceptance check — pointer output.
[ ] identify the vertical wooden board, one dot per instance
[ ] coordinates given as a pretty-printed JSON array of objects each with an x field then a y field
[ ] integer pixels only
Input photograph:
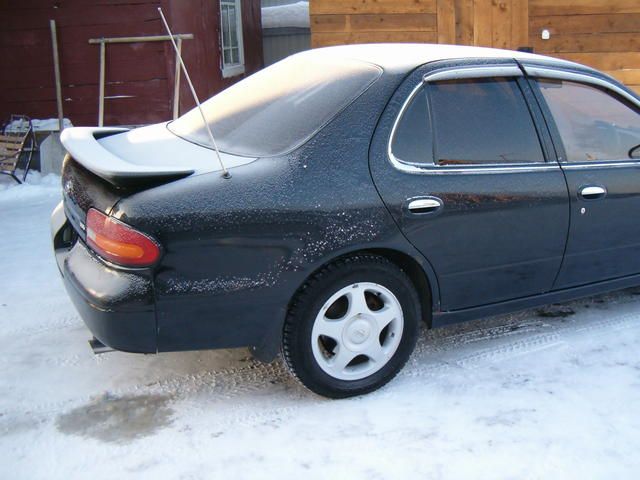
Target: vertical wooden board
[
  {"x": 482, "y": 23},
  {"x": 464, "y": 22},
  {"x": 501, "y": 23},
  {"x": 446, "y": 21},
  {"x": 519, "y": 24}
]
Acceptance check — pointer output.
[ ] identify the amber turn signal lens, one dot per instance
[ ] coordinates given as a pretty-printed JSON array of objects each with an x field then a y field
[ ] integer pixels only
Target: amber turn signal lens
[{"x": 118, "y": 242}]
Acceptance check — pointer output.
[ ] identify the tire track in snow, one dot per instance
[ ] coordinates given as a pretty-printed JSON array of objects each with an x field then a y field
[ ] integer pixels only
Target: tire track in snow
[{"x": 437, "y": 353}]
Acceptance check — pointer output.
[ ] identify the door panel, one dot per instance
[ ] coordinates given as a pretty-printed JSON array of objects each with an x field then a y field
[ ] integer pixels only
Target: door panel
[
  {"x": 604, "y": 239},
  {"x": 498, "y": 236},
  {"x": 595, "y": 131},
  {"x": 501, "y": 229}
]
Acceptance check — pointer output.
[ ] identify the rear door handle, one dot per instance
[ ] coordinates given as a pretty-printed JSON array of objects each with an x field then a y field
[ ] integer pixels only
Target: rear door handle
[
  {"x": 425, "y": 205},
  {"x": 592, "y": 192}
]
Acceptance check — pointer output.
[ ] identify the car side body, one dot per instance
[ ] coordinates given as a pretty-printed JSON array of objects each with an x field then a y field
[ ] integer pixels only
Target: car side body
[{"x": 475, "y": 239}]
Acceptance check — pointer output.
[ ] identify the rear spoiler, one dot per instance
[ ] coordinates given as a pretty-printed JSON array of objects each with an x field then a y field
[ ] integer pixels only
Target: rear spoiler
[{"x": 82, "y": 144}]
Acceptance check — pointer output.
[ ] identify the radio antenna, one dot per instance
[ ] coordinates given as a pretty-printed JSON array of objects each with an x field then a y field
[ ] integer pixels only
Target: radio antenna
[{"x": 225, "y": 172}]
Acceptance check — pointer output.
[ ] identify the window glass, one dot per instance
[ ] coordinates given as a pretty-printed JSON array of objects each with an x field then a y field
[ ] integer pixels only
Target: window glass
[
  {"x": 230, "y": 19},
  {"x": 482, "y": 121},
  {"x": 413, "y": 141},
  {"x": 594, "y": 125},
  {"x": 278, "y": 108}
]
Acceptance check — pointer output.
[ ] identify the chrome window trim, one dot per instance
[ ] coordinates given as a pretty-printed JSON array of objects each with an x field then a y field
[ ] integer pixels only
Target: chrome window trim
[
  {"x": 600, "y": 164},
  {"x": 460, "y": 73},
  {"x": 433, "y": 169},
  {"x": 547, "y": 72}
]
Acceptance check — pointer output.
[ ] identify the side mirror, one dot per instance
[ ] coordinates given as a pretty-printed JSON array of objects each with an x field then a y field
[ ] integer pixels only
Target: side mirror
[{"x": 635, "y": 152}]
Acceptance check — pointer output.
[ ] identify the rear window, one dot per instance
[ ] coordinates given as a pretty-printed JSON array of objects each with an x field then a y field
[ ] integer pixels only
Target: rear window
[{"x": 279, "y": 108}]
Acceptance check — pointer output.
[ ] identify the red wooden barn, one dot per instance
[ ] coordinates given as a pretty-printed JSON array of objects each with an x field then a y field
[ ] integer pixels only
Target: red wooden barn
[{"x": 139, "y": 77}]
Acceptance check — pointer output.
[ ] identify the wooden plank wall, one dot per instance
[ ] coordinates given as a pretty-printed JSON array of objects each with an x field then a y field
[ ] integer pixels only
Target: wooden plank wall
[
  {"x": 373, "y": 21},
  {"x": 139, "y": 77},
  {"x": 492, "y": 23},
  {"x": 138, "y": 74},
  {"x": 604, "y": 34},
  {"x": 498, "y": 23}
]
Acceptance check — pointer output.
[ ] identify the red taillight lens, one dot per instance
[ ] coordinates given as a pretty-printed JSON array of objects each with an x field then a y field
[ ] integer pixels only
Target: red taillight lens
[{"x": 118, "y": 242}]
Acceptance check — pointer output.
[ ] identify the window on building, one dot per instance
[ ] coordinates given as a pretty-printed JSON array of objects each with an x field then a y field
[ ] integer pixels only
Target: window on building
[
  {"x": 232, "y": 47},
  {"x": 594, "y": 124}
]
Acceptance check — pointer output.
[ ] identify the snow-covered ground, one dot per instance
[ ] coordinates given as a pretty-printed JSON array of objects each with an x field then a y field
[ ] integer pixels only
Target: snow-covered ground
[{"x": 545, "y": 394}]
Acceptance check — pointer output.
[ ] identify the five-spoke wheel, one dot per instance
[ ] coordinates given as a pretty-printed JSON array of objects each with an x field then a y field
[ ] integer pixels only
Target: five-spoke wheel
[
  {"x": 352, "y": 327},
  {"x": 357, "y": 331}
]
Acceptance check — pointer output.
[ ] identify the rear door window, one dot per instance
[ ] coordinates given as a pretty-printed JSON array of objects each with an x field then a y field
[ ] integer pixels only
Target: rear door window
[
  {"x": 594, "y": 125},
  {"x": 482, "y": 121},
  {"x": 413, "y": 139}
]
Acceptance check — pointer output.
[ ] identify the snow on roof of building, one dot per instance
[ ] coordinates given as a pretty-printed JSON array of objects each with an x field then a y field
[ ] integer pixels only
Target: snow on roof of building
[{"x": 294, "y": 15}]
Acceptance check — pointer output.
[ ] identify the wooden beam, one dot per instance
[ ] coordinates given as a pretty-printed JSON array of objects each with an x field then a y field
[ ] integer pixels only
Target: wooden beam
[
  {"x": 335, "y": 38},
  {"x": 610, "y": 61},
  {"x": 597, "y": 42},
  {"x": 600, "y": 23},
  {"x": 176, "y": 82},
  {"x": 148, "y": 38},
  {"x": 56, "y": 72},
  {"x": 577, "y": 7},
  {"x": 326, "y": 7},
  {"x": 415, "y": 22},
  {"x": 101, "y": 86}
]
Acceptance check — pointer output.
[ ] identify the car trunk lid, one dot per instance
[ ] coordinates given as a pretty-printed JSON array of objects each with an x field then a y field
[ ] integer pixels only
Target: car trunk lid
[{"x": 106, "y": 164}]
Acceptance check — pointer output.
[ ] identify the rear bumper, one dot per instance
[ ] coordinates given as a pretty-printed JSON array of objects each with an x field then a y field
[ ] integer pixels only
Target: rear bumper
[{"x": 116, "y": 305}]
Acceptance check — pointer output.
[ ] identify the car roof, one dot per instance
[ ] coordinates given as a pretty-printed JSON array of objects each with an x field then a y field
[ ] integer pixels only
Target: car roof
[{"x": 407, "y": 56}]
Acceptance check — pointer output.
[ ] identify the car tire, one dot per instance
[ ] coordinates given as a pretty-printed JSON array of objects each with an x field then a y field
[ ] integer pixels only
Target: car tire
[{"x": 352, "y": 326}]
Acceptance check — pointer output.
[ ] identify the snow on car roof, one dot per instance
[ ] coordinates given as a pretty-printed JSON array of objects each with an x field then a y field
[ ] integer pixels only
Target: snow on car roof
[{"x": 406, "y": 56}]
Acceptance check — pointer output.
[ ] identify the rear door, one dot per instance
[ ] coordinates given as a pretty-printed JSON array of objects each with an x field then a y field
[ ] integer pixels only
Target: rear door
[
  {"x": 461, "y": 162},
  {"x": 596, "y": 130}
]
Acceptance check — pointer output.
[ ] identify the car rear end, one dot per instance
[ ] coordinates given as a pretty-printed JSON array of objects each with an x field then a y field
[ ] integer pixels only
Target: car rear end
[{"x": 106, "y": 265}]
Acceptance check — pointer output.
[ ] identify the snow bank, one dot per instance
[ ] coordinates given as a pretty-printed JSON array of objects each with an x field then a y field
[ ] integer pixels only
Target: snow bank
[
  {"x": 44, "y": 125},
  {"x": 35, "y": 185},
  {"x": 294, "y": 15}
]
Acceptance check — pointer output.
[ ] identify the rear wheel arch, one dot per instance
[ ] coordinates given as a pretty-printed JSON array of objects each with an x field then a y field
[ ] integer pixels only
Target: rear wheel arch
[{"x": 421, "y": 276}]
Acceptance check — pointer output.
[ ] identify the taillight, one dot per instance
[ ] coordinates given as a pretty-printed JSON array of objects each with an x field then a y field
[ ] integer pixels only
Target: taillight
[{"x": 118, "y": 242}]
